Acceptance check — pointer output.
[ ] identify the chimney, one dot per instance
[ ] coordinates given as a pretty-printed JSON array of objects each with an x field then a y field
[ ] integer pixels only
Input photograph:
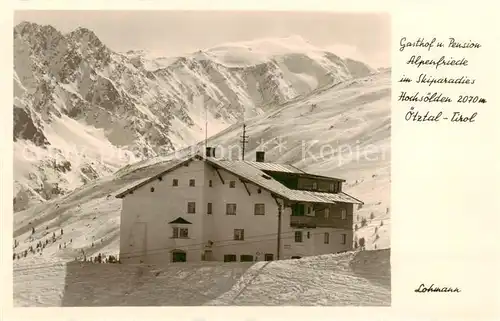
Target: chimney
[
  {"x": 259, "y": 157},
  {"x": 210, "y": 152}
]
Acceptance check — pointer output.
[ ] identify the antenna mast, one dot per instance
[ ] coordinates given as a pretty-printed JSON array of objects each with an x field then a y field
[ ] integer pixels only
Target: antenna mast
[
  {"x": 206, "y": 126},
  {"x": 243, "y": 141}
]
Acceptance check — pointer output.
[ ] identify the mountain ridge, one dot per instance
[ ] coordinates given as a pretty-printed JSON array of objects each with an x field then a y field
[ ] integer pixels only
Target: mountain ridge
[{"x": 83, "y": 111}]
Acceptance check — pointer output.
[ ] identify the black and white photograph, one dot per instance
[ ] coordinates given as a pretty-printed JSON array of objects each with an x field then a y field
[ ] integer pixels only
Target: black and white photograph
[{"x": 201, "y": 158}]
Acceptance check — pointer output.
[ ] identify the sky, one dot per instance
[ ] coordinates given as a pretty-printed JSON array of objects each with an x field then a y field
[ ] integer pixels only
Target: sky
[{"x": 365, "y": 37}]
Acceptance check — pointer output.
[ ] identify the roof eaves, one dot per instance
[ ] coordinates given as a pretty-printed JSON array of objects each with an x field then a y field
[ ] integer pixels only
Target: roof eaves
[
  {"x": 306, "y": 174},
  {"x": 360, "y": 202},
  {"x": 297, "y": 168}
]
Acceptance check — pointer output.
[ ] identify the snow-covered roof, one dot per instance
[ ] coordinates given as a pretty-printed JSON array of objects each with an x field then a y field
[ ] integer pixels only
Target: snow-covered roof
[
  {"x": 255, "y": 172},
  {"x": 273, "y": 167},
  {"x": 179, "y": 220}
]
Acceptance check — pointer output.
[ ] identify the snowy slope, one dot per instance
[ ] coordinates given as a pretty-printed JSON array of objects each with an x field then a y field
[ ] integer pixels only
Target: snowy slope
[
  {"x": 325, "y": 280},
  {"x": 355, "y": 113},
  {"x": 361, "y": 279},
  {"x": 82, "y": 111}
]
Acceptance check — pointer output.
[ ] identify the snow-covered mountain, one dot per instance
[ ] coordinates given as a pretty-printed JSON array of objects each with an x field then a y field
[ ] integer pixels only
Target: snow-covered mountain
[
  {"x": 342, "y": 130},
  {"x": 82, "y": 111}
]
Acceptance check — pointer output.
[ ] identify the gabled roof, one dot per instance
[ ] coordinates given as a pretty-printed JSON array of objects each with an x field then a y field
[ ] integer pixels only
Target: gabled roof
[
  {"x": 179, "y": 220},
  {"x": 174, "y": 165},
  {"x": 254, "y": 172}
]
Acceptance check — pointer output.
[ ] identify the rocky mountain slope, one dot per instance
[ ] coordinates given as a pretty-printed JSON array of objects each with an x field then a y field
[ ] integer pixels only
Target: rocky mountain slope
[
  {"x": 82, "y": 111},
  {"x": 342, "y": 130}
]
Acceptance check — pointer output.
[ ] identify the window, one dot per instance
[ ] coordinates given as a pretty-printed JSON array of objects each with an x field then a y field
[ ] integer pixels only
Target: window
[
  {"x": 230, "y": 209},
  {"x": 314, "y": 186},
  {"x": 175, "y": 182},
  {"x": 210, "y": 183},
  {"x": 343, "y": 239},
  {"x": 191, "y": 182},
  {"x": 239, "y": 234},
  {"x": 180, "y": 233},
  {"x": 268, "y": 257},
  {"x": 308, "y": 234},
  {"x": 246, "y": 258},
  {"x": 259, "y": 209},
  {"x": 209, "y": 208},
  {"x": 152, "y": 189},
  {"x": 343, "y": 214},
  {"x": 327, "y": 238},
  {"x": 298, "y": 236},
  {"x": 232, "y": 184},
  {"x": 259, "y": 191},
  {"x": 332, "y": 187},
  {"x": 295, "y": 257},
  {"x": 327, "y": 213},
  {"x": 309, "y": 210},
  {"x": 298, "y": 210},
  {"x": 191, "y": 207},
  {"x": 229, "y": 258}
]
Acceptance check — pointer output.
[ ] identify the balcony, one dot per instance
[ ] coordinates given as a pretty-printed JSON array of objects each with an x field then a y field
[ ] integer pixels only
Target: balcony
[{"x": 303, "y": 221}]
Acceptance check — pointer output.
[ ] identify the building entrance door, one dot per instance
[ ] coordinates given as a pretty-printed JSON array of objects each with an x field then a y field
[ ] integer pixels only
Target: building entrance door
[
  {"x": 178, "y": 256},
  {"x": 208, "y": 255}
]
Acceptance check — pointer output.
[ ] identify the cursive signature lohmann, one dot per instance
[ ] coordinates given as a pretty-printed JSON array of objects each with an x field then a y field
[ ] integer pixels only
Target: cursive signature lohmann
[{"x": 432, "y": 288}]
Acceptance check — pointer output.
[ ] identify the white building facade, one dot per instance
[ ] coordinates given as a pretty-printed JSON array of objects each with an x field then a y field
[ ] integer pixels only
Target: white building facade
[{"x": 203, "y": 209}]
